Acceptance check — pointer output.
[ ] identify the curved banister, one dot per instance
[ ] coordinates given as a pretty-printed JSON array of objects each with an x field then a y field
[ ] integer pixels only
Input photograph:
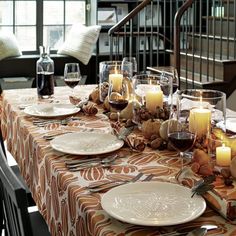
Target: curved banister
[
  {"x": 177, "y": 20},
  {"x": 131, "y": 15}
]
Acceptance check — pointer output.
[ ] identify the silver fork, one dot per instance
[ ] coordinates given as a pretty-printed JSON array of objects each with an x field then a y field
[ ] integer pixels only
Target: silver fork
[
  {"x": 41, "y": 123},
  {"x": 87, "y": 162},
  {"x": 52, "y": 136},
  {"x": 93, "y": 186},
  {"x": 99, "y": 188}
]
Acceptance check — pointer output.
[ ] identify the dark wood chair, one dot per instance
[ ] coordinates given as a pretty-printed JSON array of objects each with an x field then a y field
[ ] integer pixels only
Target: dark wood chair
[
  {"x": 17, "y": 220},
  {"x": 16, "y": 170}
]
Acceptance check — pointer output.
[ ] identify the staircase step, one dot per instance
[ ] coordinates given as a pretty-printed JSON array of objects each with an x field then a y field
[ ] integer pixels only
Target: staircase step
[
  {"x": 223, "y": 70},
  {"x": 223, "y": 48},
  {"x": 224, "y": 26},
  {"x": 200, "y": 81}
]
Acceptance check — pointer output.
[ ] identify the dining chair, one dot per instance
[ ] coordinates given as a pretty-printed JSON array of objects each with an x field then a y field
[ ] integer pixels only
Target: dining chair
[
  {"x": 16, "y": 170},
  {"x": 17, "y": 219}
]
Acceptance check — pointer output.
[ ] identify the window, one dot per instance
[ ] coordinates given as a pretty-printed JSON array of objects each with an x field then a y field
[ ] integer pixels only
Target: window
[{"x": 40, "y": 22}]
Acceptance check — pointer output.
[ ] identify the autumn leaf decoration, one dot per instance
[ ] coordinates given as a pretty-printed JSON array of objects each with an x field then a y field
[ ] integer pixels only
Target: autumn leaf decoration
[{"x": 203, "y": 185}]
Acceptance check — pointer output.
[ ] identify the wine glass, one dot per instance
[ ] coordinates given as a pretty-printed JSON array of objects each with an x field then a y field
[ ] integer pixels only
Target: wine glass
[
  {"x": 125, "y": 65},
  {"x": 166, "y": 83},
  {"x": 118, "y": 94},
  {"x": 72, "y": 75},
  {"x": 175, "y": 79},
  {"x": 181, "y": 133}
]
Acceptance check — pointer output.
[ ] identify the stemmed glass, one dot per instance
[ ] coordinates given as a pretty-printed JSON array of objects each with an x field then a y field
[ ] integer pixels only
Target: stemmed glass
[
  {"x": 118, "y": 95},
  {"x": 134, "y": 65},
  {"x": 180, "y": 133},
  {"x": 72, "y": 75},
  {"x": 175, "y": 79}
]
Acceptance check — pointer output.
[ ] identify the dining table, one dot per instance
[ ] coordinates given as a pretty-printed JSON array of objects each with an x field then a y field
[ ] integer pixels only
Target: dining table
[{"x": 62, "y": 195}]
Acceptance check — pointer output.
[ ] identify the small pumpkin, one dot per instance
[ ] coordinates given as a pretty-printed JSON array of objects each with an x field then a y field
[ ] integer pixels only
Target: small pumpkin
[
  {"x": 106, "y": 104},
  {"x": 150, "y": 127}
]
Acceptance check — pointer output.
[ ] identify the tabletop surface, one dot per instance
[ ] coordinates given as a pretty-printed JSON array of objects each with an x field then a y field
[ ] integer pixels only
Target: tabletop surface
[{"x": 61, "y": 195}]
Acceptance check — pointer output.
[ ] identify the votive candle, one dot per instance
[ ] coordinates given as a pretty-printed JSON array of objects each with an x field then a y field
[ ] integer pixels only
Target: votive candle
[{"x": 223, "y": 155}]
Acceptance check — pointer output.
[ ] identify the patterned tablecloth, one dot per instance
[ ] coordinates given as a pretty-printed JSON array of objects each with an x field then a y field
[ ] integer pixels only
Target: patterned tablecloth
[{"x": 61, "y": 195}]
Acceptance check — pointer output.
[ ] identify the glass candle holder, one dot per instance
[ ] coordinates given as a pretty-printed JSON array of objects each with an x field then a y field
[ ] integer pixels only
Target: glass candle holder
[
  {"x": 208, "y": 107},
  {"x": 115, "y": 71},
  {"x": 149, "y": 97}
]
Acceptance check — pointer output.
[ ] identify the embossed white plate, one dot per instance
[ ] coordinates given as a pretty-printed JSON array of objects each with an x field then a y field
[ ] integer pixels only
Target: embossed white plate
[
  {"x": 153, "y": 204},
  {"x": 51, "y": 110},
  {"x": 86, "y": 143}
]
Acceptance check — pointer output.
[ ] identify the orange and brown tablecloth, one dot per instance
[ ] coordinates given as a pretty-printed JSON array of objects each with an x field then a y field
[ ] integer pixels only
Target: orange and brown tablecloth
[{"x": 61, "y": 196}]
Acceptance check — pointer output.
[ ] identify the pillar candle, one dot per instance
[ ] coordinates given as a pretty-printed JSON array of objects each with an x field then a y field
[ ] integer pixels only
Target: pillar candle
[
  {"x": 223, "y": 155},
  {"x": 154, "y": 99},
  {"x": 116, "y": 80},
  {"x": 199, "y": 121}
]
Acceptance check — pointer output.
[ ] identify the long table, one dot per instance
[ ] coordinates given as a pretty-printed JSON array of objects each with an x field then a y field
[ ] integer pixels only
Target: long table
[{"x": 62, "y": 196}]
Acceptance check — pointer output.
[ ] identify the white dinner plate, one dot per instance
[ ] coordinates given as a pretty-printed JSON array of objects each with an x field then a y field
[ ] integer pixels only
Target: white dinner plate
[
  {"x": 230, "y": 124},
  {"x": 51, "y": 110},
  {"x": 153, "y": 204},
  {"x": 86, "y": 143}
]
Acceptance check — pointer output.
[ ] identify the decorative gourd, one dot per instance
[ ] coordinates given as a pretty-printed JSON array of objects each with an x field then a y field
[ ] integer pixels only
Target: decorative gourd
[
  {"x": 233, "y": 167},
  {"x": 150, "y": 127},
  {"x": 94, "y": 96},
  {"x": 90, "y": 109},
  {"x": 106, "y": 104},
  {"x": 127, "y": 113}
]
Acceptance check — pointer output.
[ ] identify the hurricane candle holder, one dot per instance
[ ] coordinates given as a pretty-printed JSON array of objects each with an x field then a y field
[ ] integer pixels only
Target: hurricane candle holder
[
  {"x": 114, "y": 71},
  {"x": 207, "y": 107},
  {"x": 149, "y": 97},
  {"x": 207, "y": 112}
]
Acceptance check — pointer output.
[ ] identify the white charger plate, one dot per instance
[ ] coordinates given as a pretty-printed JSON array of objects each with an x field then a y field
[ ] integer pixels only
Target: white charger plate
[
  {"x": 231, "y": 124},
  {"x": 153, "y": 204},
  {"x": 51, "y": 110},
  {"x": 86, "y": 143}
]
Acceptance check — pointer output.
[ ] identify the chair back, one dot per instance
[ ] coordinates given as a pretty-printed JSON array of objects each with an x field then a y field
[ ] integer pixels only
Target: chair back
[{"x": 15, "y": 204}]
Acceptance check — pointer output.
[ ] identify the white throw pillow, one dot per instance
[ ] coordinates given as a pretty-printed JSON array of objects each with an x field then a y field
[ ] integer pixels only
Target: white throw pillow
[
  {"x": 80, "y": 42},
  {"x": 8, "y": 45}
]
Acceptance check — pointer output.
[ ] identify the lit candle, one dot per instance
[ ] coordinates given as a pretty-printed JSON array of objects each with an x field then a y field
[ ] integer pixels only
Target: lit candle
[
  {"x": 154, "y": 99},
  {"x": 200, "y": 121},
  {"x": 116, "y": 80},
  {"x": 223, "y": 155}
]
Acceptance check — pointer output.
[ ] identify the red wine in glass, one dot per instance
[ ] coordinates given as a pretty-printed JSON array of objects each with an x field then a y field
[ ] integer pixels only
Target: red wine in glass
[
  {"x": 182, "y": 140},
  {"x": 72, "y": 75},
  {"x": 119, "y": 104},
  {"x": 72, "y": 82}
]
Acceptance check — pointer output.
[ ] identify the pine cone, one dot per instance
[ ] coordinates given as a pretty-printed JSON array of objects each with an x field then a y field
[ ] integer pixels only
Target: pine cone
[{"x": 90, "y": 109}]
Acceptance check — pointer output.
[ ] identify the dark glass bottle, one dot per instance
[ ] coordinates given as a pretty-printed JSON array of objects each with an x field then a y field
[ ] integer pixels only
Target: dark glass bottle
[{"x": 45, "y": 74}]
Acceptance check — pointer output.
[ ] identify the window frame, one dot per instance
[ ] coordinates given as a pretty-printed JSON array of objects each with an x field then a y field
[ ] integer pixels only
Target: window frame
[{"x": 39, "y": 23}]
